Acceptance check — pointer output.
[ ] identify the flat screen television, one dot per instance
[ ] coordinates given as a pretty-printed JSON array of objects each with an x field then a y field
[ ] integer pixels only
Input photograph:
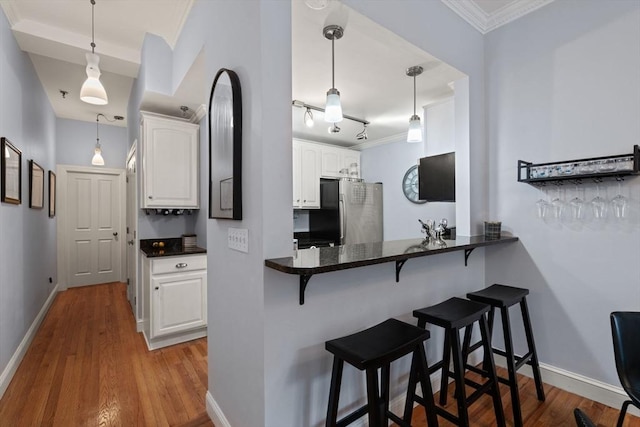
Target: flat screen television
[{"x": 437, "y": 178}]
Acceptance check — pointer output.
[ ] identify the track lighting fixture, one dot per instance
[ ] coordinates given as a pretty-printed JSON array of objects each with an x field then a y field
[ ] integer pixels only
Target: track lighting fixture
[
  {"x": 92, "y": 90},
  {"x": 415, "y": 127},
  {"x": 362, "y": 135},
  {"x": 308, "y": 118},
  {"x": 333, "y": 128},
  {"x": 333, "y": 108}
]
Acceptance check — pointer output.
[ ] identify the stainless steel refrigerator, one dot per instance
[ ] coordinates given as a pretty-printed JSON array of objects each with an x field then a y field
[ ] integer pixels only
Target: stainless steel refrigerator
[{"x": 351, "y": 212}]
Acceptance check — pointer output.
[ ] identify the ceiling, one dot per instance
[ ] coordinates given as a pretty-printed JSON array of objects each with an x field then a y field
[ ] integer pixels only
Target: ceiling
[{"x": 370, "y": 60}]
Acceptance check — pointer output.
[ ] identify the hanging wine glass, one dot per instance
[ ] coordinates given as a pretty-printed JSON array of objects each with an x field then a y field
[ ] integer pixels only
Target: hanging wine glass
[
  {"x": 577, "y": 205},
  {"x": 542, "y": 206},
  {"x": 599, "y": 205},
  {"x": 619, "y": 203},
  {"x": 557, "y": 204}
]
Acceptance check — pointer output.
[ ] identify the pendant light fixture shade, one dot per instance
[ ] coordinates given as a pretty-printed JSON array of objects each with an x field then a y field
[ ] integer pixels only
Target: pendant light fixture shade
[
  {"x": 415, "y": 127},
  {"x": 333, "y": 107},
  {"x": 97, "y": 159},
  {"x": 92, "y": 91}
]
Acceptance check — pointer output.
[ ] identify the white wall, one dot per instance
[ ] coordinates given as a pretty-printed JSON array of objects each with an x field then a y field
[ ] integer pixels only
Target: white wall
[
  {"x": 388, "y": 163},
  {"x": 27, "y": 236},
  {"x": 76, "y": 141},
  {"x": 562, "y": 84}
]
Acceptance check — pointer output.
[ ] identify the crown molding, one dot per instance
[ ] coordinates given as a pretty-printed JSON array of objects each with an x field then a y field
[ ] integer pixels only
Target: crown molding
[
  {"x": 484, "y": 22},
  {"x": 11, "y": 11},
  {"x": 200, "y": 112}
]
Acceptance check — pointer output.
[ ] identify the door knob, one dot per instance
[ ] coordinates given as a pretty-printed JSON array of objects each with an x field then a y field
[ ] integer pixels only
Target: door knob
[
  {"x": 115, "y": 234},
  {"x": 130, "y": 242}
]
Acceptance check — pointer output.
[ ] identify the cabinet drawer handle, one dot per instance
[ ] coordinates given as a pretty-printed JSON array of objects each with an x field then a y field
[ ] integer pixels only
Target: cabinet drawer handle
[
  {"x": 151, "y": 197},
  {"x": 181, "y": 265}
]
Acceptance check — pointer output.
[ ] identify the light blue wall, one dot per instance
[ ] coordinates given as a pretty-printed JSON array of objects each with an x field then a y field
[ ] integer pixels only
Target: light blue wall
[
  {"x": 562, "y": 89},
  {"x": 27, "y": 236},
  {"x": 76, "y": 141}
]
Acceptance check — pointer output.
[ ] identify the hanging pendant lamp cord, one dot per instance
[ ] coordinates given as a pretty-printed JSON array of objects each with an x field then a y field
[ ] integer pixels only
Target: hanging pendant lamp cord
[
  {"x": 93, "y": 41},
  {"x": 414, "y": 95},
  {"x": 333, "y": 64}
]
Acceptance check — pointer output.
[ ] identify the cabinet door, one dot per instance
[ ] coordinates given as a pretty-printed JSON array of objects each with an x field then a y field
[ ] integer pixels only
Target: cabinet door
[
  {"x": 179, "y": 302},
  {"x": 170, "y": 164},
  {"x": 310, "y": 182},
  {"x": 297, "y": 176},
  {"x": 331, "y": 162}
]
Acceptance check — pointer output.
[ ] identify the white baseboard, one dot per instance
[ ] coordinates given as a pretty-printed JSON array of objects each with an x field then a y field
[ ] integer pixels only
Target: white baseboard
[
  {"x": 140, "y": 325},
  {"x": 215, "y": 413},
  {"x": 595, "y": 390},
  {"x": 177, "y": 338},
  {"x": 14, "y": 362}
]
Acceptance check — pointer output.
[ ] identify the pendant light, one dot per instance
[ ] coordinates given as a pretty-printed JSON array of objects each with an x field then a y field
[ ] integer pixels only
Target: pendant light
[
  {"x": 308, "y": 118},
  {"x": 415, "y": 127},
  {"x": 92, "y": 90},
  {"x": 333, "y": 109},
  {"x": 97, "y": 152}
]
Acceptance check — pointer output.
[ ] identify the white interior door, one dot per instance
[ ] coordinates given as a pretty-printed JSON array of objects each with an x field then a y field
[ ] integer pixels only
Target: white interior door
[
  {"x": 132, "y": 220},
  {"x": 94, "y": 228}
]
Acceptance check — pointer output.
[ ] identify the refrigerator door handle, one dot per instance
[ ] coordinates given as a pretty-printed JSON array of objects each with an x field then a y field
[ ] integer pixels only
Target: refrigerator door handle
[{"x": 343, "y": 220}]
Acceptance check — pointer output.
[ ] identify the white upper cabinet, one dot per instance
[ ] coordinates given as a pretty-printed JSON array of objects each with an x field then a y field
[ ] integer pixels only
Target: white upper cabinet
[
  {"x": 170, "y": 163},
  {"x": 339, "y": 162},
  {"x": 306, "y": 175}
]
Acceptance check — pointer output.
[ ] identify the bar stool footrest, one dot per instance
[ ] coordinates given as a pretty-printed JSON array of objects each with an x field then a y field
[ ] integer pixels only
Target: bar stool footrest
[{"x": 363, "y": 410}]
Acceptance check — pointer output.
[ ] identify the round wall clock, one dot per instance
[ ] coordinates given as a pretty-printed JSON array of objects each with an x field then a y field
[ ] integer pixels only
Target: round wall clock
[{"x": 410, "y": 185}]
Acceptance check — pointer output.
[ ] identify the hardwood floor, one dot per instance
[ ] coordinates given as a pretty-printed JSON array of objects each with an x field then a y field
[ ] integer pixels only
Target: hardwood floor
[{"x": 88, "y": 367}]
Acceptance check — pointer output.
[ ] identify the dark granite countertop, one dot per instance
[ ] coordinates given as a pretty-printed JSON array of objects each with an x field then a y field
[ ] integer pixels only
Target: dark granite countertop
[
  {"x": 172, "y": 247},
  {"x": 308, "y": 262}
]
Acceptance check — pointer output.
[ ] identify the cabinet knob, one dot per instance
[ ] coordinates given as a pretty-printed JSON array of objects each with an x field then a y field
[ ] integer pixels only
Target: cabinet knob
[
  {"x": 151, "y": 197},
  {"x": 304, "y": 201},
  {"x": 157, "y": 287},
  {"x": 181, "y": 265}
]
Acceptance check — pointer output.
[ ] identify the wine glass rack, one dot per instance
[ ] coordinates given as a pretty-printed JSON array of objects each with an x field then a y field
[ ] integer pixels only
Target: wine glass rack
[{"x": 597, "y": 169}]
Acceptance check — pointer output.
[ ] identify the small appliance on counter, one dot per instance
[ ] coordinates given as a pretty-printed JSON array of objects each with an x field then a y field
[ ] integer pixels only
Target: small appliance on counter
[{"x": 350, "y": 212}]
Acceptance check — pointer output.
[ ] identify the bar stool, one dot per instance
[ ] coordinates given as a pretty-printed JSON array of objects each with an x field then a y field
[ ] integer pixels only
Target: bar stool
[
  {"x": 503, "y": 297},
  {"x": 372, "y": 349},
  {"x": 453, "y": 315}
]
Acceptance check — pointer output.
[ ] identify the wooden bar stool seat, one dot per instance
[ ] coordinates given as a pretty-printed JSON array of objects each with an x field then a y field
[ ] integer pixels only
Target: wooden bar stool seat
[{"x": 372, "y": 349}]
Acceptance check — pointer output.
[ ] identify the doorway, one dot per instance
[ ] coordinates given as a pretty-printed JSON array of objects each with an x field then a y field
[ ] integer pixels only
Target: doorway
[
  {"x": 132, "y": 235},
  {"x": 90, "y": 227}
]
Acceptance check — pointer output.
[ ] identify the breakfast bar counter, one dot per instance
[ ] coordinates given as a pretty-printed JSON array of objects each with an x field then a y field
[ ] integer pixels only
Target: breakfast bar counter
[{"x": 307, "y": 262}]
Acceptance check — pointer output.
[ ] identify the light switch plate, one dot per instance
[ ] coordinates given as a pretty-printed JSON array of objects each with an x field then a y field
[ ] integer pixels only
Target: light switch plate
[{"x": 238, "y": 239}]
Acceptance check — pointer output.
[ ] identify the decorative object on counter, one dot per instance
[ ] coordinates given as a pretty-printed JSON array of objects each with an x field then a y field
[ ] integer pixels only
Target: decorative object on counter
[
  {"x": 167, "y": 247},
  {"x": 415, "y": 127},
  {"x": 410, "y": 185},
  {"x": 225, "y": 146},
  {"x": 189, "y": 241},
  {"x": 596, "y": 168},
  {"x": 36, "y": 185},
  {"x": 333, "y": 108},
  {"x": 52, "y": 194},
  {"x": 492, "y": 229},
  {"x": 92, "y": 90},
  {"x": 433, "y": 231},
  {"x": 11, "y": 167}
]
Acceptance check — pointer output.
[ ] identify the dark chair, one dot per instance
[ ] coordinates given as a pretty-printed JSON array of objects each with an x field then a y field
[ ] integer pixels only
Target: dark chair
[
  {"x": 582, "y": 420},
  {"x": 454, "y": 315},
  {"x": 502, "y": 297},
  {"x": 625, "y": 328},
  {"x": 372, "y": 349}
]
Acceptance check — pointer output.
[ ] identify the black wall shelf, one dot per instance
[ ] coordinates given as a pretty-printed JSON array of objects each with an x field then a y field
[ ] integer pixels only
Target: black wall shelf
[{"x": 540, "y": 174}]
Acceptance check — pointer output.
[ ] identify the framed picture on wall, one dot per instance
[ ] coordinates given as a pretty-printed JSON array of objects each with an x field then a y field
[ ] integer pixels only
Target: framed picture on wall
[
  {"x": 36, "y": 185},
  {"x": 11, "y": 170},
  {"x": 52, "y": 194}
]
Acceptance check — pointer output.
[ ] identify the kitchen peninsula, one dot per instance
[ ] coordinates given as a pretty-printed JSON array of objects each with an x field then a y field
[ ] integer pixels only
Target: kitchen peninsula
[{"x": 307, "y": 262}]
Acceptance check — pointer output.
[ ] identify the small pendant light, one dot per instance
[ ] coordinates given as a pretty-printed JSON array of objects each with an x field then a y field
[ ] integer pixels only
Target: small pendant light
[
  {"x": 92, "y": 91},
  {"x": 97, "y": 159},
  {"x": 333, "y": 108},
  {"x": 415, "y": 127}
]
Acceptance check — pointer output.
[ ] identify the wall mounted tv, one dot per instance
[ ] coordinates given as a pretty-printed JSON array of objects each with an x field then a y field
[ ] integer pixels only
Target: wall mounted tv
[{"x": 437, "y": 178}]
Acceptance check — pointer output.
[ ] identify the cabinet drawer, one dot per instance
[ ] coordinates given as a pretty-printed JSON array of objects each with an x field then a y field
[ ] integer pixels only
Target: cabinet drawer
[{"x": 177, "y": 264}]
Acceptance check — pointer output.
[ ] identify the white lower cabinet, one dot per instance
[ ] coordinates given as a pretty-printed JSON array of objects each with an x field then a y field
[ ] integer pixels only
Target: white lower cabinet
[{"x": 176, "y": 292}]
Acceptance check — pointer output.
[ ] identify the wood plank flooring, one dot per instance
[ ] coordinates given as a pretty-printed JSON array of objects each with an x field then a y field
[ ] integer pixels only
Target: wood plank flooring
[{"x": 88, "y": 367}]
